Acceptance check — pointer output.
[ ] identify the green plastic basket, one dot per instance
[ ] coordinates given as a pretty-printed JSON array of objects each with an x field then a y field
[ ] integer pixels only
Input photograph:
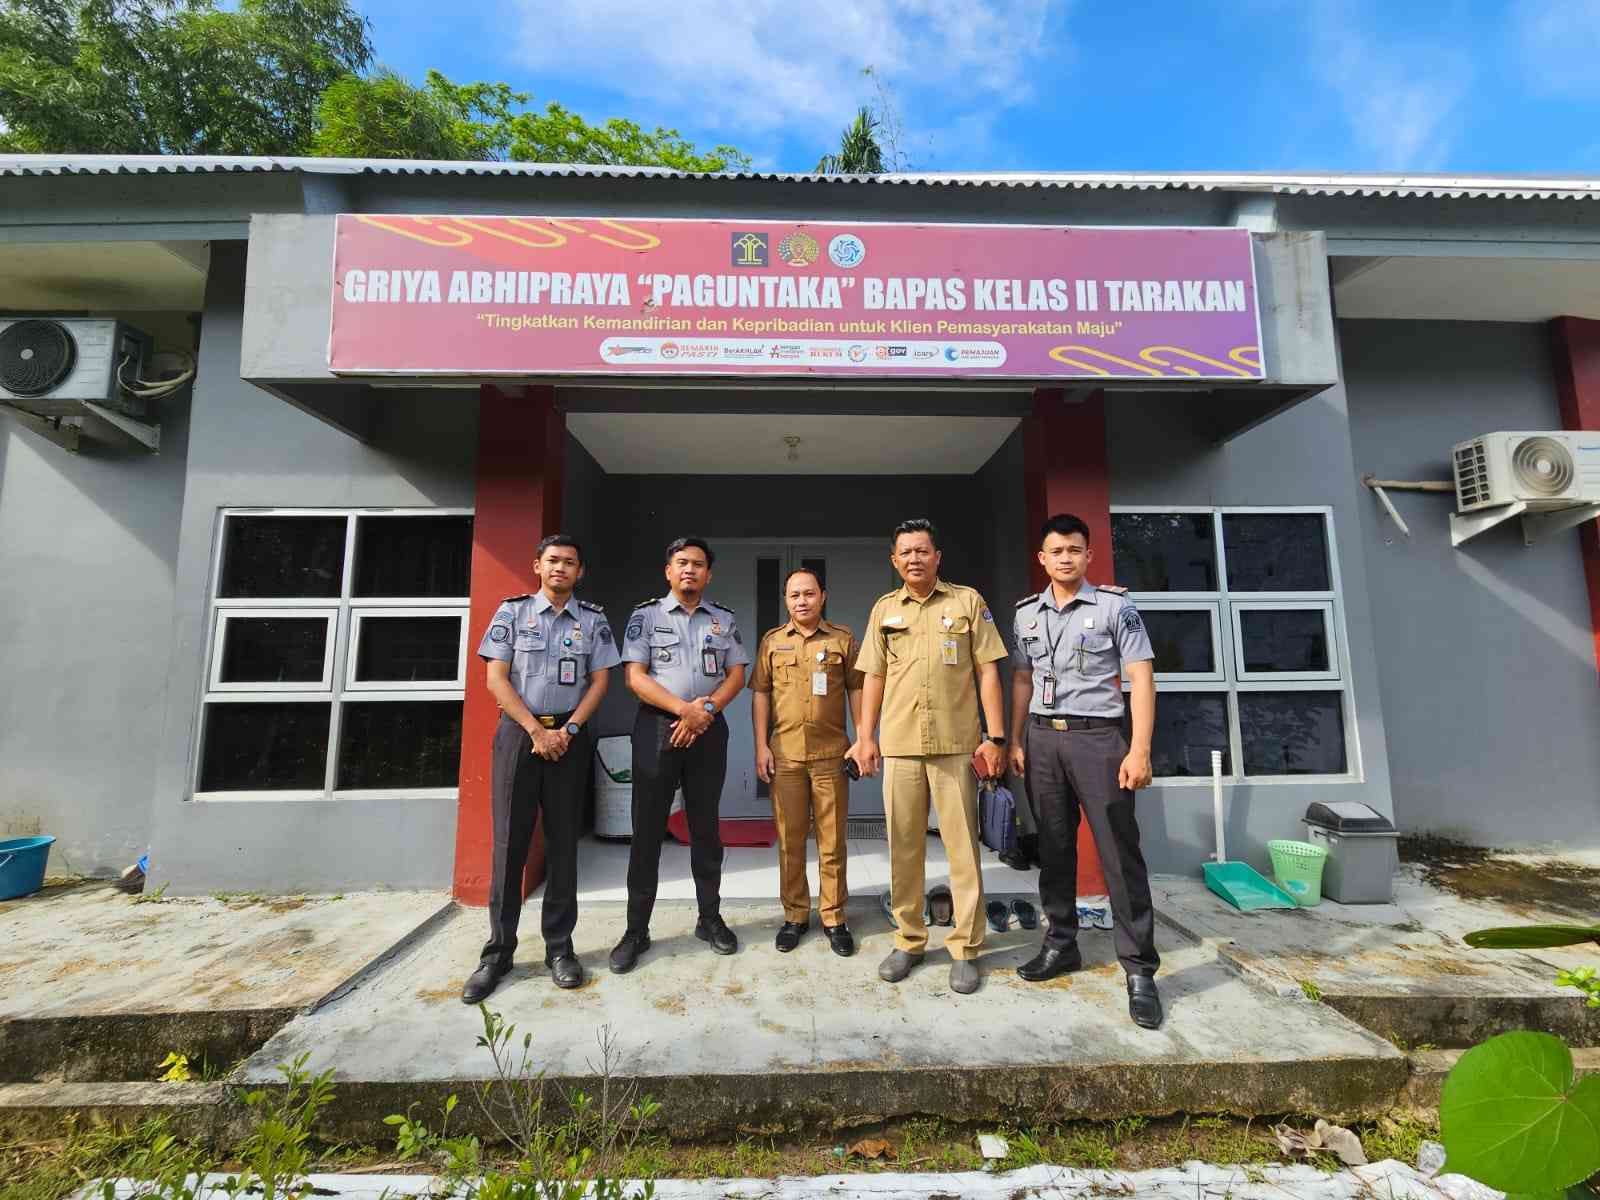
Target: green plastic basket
[{"x": 1297, "y": 866}]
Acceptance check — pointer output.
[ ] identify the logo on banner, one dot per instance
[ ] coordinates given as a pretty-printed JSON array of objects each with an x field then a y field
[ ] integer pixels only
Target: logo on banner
[
  {"x": 669, "y": 350},
  {"x": 858, "y": 354},
  {"x": 799, "y": 250},
  {"x": 749, "y": 249},
  {"x": 951, "y": 354},
  {"x": 847, "y": 250},
  {"x": 623, "y": 350}
]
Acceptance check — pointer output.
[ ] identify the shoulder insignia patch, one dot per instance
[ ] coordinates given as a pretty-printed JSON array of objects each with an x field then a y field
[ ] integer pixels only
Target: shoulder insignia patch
[
  {"x": 988, "y": 616},
  {"x": 499, "y": 634},
  {"x": 592, "y": 607},
  {"x": 514, "y": 599},
  {"x": 1027, "y": 600},
  {"x": 1115, "y": 589},
  {"x": 645, "y": 603},
  {"x": 635, "y": 628},
  {"x": 719, "y": 607},
  {"x": 1131, "y": 620},
  {"x": 604, "y": 633}
]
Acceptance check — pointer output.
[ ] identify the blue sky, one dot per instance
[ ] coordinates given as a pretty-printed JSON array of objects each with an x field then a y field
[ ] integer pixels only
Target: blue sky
[{"x": 1251, "y": 85}]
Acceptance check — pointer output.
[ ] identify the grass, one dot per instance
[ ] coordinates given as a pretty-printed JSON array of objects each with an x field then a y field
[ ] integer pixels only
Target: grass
[{"x": 1312, "y": 992}]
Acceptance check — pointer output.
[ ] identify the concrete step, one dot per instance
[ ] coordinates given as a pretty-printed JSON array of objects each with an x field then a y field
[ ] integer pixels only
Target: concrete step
[
  {"x": 196, "y": 1110},
  {"x": 1430, "y": 1067}
]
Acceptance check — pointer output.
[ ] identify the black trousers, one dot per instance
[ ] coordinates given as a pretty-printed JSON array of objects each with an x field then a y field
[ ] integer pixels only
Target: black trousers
[
  {"x": 1073, "y": 773},
  {"x": 524, "y": 785},
  {"x": 658, "y": 770}
]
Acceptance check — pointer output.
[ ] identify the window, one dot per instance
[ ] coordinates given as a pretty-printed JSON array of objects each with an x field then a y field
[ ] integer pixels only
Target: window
[
  {"x": 337, "y": 658},
  {"x": 1245, "y": 617}
]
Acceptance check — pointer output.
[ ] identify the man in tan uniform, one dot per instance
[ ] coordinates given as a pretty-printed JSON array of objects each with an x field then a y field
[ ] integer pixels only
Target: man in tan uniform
[
  {"x": 804, "y": 671},
  {"x": 924, "y": 641}
]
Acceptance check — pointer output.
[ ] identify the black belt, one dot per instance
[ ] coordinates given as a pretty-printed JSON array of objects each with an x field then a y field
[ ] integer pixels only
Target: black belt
[
  {"x": 554, "y": 720},
  {"x": 1075, "y": 724}
]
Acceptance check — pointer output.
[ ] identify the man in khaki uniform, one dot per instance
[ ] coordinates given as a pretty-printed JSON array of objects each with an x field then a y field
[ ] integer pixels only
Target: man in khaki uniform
[
  {"x": 924, "y": 641},
  {"x": 804, "y": 671}
]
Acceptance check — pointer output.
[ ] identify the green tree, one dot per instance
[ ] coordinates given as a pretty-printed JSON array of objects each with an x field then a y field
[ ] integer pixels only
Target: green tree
[
  {"x": 859, "y": 151},
  {"x": 171, "y": 76}
]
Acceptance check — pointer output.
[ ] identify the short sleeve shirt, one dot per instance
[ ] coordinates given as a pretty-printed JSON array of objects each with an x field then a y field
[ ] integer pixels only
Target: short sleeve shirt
[
  {"x": 808, "y": 678},
  {"x": 1082, "y": 647},
  {"x": 688, "y": 653},
  {"x": 552, "y": 652},
  {"x": 926, "y": 651}
]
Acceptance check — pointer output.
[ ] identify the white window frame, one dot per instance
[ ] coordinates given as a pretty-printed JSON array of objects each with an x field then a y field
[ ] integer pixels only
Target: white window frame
[
  {"x": 219, "y": 638},
  {"x": 360, "y": 615},
  {"x": 1213, "y": 610},
  {"x": 1245, "y": 675},
  {"x": 1337, "y": 680},
  {"x": 342, "y": 610}
]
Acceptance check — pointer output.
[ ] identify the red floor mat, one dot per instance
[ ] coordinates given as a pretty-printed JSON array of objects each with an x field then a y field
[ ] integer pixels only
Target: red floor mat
[{"x": 752, "y": 831}]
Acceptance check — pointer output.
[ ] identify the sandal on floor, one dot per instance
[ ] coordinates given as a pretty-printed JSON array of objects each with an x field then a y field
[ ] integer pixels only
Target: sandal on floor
[
  {"x": 941, "y": 906},
  {"x": 999, "y": 915},
  {"x": 888, "y": 905},
  {"x": 1027, "y": 916}
]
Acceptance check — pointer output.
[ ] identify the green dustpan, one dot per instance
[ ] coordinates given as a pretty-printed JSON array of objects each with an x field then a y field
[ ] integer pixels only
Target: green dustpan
[{"x": 1242, "y": 886}]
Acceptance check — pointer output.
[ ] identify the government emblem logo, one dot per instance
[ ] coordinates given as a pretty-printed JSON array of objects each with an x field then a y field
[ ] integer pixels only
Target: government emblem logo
[
  {"x": 847, "y": 250},
  {"x": 799, "y": 250},
  {"x": 749, "y": 249}
]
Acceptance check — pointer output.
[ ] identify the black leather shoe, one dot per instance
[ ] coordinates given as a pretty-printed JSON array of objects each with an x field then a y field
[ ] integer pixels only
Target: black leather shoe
[
  {"x": 565, "y": 969},
  {"x": 1050, "y": 962},
  {"x": 627, "y": 951},
  {"x": 1144, "y": 1002},
  {"x": 840, "y": 939},
  {"x": 481, "y": 982},
  {"x": 788, "y": 937},
  {"x": 715, "y": 930}
]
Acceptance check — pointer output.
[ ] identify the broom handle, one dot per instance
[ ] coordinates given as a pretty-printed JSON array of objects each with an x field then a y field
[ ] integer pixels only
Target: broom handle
[{"x": 1216, "y": 803}]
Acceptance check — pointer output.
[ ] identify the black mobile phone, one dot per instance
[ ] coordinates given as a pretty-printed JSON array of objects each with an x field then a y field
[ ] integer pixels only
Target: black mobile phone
[{"x": 851, "y": 769}]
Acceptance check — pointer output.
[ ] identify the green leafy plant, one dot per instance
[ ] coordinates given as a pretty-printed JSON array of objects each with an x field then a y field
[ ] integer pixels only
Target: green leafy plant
[
  {"x": 1532, "y": 937},
  {"x": 277, "y": 1152},
  {"x": 1311, "y": 991},
  {"x": 174, "y": 1068},
  {"x": 157, "y": 1165},
  {"x": 1585, "y": 981}
]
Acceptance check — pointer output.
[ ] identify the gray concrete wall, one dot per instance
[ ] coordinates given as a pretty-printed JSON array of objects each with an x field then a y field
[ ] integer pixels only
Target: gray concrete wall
[
  {"x": 89, "y": 543},
  {"x": 248, "y": 448},
  {"x": 1488, "y": 670},
  {"x": 1159, "y": 455}
]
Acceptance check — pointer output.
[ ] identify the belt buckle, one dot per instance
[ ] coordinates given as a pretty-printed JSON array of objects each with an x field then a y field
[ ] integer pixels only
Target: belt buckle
[
  {"x": 548, "y": 722},
  {"x": 1060, "y": 724}
]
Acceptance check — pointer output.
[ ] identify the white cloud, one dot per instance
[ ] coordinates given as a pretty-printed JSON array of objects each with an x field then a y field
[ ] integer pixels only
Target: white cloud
[
  {"x": 1400, "y": 97},
  {"x": 1559, "y": 44},
  {"x": 764, "y": 69}
]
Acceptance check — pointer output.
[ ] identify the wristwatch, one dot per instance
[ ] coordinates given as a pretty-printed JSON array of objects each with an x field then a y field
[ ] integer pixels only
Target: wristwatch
[
  {"x": 573, "y": 729},
  {"x": 710, "y": 706},
  {"x": 995, "y": 738}
]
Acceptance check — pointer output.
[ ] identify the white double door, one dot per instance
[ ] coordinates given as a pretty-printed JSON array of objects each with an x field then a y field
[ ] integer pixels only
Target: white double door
[{"x": 748, "y": 578}]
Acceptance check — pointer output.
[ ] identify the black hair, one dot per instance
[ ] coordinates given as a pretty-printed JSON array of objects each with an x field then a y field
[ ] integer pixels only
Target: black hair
[
  {"x": 1065, "y": 524},
  {"x": 684, "y": 543},
  {"x": 811, "y": 571},
  {"x": 558, "y": 539},
  {"x": 915, "y": 525}
]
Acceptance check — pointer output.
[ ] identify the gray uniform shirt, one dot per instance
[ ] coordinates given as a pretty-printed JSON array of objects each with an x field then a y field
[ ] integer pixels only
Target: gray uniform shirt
[
  {"x": 552, "y": 654},
  {"x": 1082, "y": 647},
  {"x": 679, "y": 646}
]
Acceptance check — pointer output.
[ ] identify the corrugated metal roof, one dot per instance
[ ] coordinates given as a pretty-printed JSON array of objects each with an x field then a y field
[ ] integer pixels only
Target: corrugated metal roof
[{"x": 1518, "y": 187}]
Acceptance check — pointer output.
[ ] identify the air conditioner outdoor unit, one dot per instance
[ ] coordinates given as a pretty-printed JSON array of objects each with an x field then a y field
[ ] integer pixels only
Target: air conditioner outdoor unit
[
  {"x": 1551, "y": 479},
  {"x": 59, "y": 370}
]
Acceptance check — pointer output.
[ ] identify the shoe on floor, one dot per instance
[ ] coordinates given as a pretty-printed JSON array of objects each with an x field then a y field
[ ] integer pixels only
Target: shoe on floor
[
  {"x": 789, "y": 935},
  {"x": 999, "y": 915},
  {"x": 898, "y": 965},
  {"x": 1027, "y": 916},
  {"x": 1050, "y": 962},
  {"x": 565, "y": 969},
  {"x": 1144, "y": 1002},
  {"x": 941, "y": 906},
  {"x": 888, "y": 905},
  {"x": 481, "y": 982},
  {"x": 628, "y": 950},
  {"x": 840, "y": 940},
  {"x": 715, "y": 931},
  {"x": 964, "y": 976}
]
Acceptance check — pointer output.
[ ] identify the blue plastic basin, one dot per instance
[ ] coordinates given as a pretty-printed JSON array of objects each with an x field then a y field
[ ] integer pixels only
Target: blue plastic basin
[{"x": 22, "y": 862}]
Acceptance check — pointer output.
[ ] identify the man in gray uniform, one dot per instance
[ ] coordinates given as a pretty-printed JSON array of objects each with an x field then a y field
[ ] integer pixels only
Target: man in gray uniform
[
  {"x": 1072, "y": 643},
  {"x": 686, "y": 662},
  {"x": 549, "y": 662}
]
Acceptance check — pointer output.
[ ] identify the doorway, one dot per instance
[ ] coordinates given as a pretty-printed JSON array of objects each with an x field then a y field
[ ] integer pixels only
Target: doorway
[{"x": 748, "y": 578}]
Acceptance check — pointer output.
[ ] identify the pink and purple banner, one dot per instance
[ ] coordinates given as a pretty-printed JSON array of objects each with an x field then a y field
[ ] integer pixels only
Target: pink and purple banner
[{"x": 549, "y": 296}]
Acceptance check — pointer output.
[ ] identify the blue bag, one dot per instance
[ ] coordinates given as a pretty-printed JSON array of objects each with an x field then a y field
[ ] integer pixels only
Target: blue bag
[{"x": 997, "y": 816}]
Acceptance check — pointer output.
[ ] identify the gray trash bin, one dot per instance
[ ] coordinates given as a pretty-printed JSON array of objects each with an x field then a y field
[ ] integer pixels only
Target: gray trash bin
[{"x": 1362, "y": 856}]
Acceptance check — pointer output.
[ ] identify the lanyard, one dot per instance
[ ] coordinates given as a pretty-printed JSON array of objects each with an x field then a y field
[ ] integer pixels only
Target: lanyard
[{"x": 1053, "y": 642}]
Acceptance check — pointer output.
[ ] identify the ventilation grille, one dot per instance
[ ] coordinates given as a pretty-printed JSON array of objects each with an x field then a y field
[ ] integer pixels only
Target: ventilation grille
[
  {"x": 865, "y": 829},
  {"x": 35, "y": 357},
  {"x": 1472, "y": 475},
  {"x": 1543, "y": 466}
]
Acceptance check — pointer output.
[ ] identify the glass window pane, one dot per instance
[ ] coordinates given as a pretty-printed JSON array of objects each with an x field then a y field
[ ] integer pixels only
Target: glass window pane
[
  {"x": 1164, "y": 552},
  {"x": 414, "y": 556},
  {"x": 1292, "y": 733},
  {"x": 271, "y": 557},
  {"x": 264, "y": 747},
  {"x": 408, "y": 649},
  {"x": 274, "y": 649},
  {"x": 1276, "y": 552},
  {"x": 1283, "y": 639},
  {"x": 1181, "y": 639},
  {"x": 1189, "y": 726},
  {"x": 400, "y": 744}
]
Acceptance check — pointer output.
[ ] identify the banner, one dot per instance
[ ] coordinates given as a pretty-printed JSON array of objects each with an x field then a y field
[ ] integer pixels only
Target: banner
[{"x": 549, "y": 296}]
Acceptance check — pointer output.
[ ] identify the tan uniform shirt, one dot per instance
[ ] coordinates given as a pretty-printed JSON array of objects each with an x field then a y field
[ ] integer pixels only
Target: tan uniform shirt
[
  {"x": 926, "y": 652},
  {"x": 807, "y": 726}
]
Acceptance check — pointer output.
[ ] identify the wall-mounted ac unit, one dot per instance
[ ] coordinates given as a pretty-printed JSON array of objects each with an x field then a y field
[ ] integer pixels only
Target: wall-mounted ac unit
[
  {"x": 1551, "y": 479},
  {"x": 61, "y": 369}
]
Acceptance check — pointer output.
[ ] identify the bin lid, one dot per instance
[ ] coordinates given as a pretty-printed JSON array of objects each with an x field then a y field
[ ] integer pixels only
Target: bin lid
[
  {"x": 616, "y": 756},
  {"x": 1348, "y": 816}
]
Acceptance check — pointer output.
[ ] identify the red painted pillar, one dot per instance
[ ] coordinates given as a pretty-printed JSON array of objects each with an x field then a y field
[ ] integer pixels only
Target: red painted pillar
[
  {"x": 521, "y": 452},
  {"x": 1575, "y": 344},
  {"x": 1064, "y": 470}
]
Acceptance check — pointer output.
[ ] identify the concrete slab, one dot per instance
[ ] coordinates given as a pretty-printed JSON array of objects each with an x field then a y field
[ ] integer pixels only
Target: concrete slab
[
  {"x": 1399, "y": 969},
  {"x": 1429, "y": 1069},
  {"x": 760, "y": 1040},
  {"x": 94, "y": 986}
]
